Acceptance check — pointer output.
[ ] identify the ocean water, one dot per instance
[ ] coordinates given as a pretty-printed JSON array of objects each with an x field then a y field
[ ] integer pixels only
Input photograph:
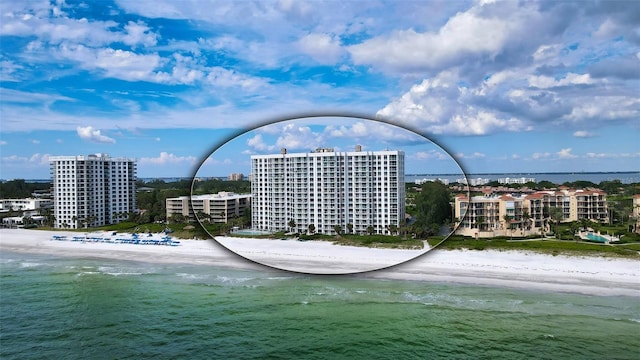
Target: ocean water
[{"x": 64, "y": 308}]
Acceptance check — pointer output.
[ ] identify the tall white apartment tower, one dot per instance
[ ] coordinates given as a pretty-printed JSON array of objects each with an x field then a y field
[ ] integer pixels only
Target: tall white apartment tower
[
  {"x": 92, "y": 190},
  {"x": 325, "y": 188}
]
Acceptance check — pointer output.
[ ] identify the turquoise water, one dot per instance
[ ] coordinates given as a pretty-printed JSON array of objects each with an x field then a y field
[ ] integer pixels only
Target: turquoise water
[
  {"x": 597, "y": 238},
  {"x": 63, "y": 308}
]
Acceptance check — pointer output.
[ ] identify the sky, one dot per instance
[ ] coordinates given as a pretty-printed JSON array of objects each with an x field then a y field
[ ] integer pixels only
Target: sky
[
  {"x": 338, "y": 133},
  {"x": 532, "y": 86}
]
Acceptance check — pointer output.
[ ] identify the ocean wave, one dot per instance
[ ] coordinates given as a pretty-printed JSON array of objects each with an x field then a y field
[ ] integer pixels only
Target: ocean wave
[
  {"x": 114, "y": 271},
  {"x": 191, "y": 276},
  {"x": 30, "y": 264}
]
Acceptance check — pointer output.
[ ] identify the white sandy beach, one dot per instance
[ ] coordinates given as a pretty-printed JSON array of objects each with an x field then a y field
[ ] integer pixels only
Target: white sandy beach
[{"x": 589, "y": 275}]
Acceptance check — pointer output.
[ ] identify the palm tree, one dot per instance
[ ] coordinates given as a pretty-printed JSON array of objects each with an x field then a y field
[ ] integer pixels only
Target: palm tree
[
  {"x": 370, "y": 230},
  {"x": 574, "y": 229},
  {"x": 202, "y": 216},
  {"x": 337, "y": 229},
  {"x": 349, "y": 228},
  {"x": 480, "y": 222},
  {"x": 507, "y": 222},
  {"x": 525, "y": 219},
  {"x": 556, "y": 216},
  {"x": 312, "y": 228},
  {"x": 292, "y": 224},
  {"x": 27, "y": 220},
  {"x": 393, "y": 228}
]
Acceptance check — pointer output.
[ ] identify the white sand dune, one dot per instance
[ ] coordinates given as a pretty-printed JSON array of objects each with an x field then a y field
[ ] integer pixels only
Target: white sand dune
[{"x": 589, "y": 275}]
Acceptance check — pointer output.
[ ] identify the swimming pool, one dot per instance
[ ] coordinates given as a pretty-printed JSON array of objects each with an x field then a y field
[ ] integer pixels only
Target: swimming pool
[{"x": 596, "y": 238}]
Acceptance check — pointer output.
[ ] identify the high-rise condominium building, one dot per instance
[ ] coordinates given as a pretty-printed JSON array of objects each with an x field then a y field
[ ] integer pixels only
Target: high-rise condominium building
[
  {"x": 356, "y": 191},
  {"x": 92, "y": 190}
]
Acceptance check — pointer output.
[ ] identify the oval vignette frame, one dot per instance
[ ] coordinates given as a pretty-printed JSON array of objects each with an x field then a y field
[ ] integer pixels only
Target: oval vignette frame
[{"x": 322, "y": 267}]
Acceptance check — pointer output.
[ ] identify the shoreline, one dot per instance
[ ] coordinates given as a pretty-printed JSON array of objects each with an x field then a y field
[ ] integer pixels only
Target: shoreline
[{"x": 592, "y": 275}]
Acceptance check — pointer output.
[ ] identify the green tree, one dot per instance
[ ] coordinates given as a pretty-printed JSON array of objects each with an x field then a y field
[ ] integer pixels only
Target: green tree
[
  {"x": 544, "y": 184},
  {"x": 525, "y": 219},
  {"x": 556, "y": 217},
  {"x": 480, "y": 221},
  {"x": 574, "y": 229},
  {"x": 350, "y": 228},
  {"x": 312, "y": 228},
  {"x": 433, "y": 207},
  {"x": 370, "y": 230},
  {"x": 202, "y": 216},
  {"x": 337, "y": 229},
  {"x": 507, "y": 223},
  {"x": 292, "y": 225},
  {"x": 177, "y": 218}
]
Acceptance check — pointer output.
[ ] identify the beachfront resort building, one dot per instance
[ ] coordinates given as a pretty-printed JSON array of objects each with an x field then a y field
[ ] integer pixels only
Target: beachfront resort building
[
  {"x": 92, "y": 190},
  {"x": 326, "y": 190},
  {"x": 214, "y": 208},
  {"x": 492, "y": 215}
]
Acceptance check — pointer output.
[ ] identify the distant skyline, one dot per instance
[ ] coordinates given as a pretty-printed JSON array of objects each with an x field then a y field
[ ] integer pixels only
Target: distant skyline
[{"x": 524, "y": 87}]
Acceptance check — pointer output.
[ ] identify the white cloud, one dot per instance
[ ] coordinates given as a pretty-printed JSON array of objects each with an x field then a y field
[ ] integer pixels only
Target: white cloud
[
  {"x": 298, "y": 137},
  {"x": 90, "y": 134},
  {"x": 24, "y": 97},
  {"x": 257, "y": 143},
  {"x": 583, "y": 134},
  {"x": 467, "y": 35},
  {"x": 2, "y": 142},
  {"x": 359, "y": 129},
  {"x": 10, "y": 71},
  {"x": 430, "y": 155},
  {"x": 544, "y": 82},
  {"x": 323, "y": 48},
  {"x": 35, "y": 159},
  {"x": 221, "y": 77},
  {"x": 41, "y": 159},
  {"x": 592, "y": 155},
  {"x": 166, "y": 158},
  {"x": 566, "y": 154},
  {"x": 605, "y": 108},
  {"x": 34, "y": 141},
  {"x": 538, "y": 155},
  {"x": 475, "y": 155},
  {"x": 440, "y": 106},
  {"x": 139, "y": 33}
]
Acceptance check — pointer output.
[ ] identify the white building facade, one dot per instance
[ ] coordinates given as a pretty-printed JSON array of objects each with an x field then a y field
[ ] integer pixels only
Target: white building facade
[
  {"x": 92, "y": 190},
  {"x": 26, "y": 204},
  {"x": 356, "y": 191}
]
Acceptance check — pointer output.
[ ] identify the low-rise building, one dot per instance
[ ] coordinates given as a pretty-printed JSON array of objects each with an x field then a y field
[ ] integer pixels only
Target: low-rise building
[
  {"x": 217, "y": 208},
  {"x": 25, "y": 204},
  {"x": 525, "y": 214}
]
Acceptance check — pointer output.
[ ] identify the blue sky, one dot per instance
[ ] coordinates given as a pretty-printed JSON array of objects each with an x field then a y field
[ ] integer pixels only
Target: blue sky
[
  {"x": 504, "y": 87},
  {"x": 422, "y": 156}
]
